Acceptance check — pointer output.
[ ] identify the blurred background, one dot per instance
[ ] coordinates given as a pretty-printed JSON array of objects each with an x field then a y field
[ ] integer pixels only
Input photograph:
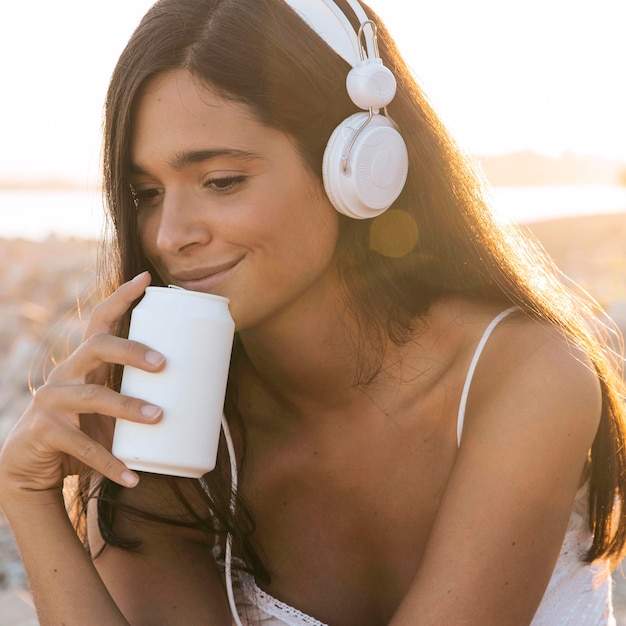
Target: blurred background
[{"x": 535, "y": 92}]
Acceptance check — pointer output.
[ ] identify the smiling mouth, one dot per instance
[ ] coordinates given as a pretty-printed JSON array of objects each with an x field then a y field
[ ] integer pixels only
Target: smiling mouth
[{"x": 203, "y": 278}]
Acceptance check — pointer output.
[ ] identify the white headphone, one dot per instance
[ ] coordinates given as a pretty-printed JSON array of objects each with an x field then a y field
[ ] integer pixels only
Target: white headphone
[{"x": 365, "y": 162}]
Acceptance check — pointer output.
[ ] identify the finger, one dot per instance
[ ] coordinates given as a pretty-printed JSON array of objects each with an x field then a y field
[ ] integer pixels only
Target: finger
[
  {"x": 100, "y": 349},
  {"x": 73, "y": 400},
  {"x": 44, "y": 447},
  {"x": 88, "y": 452},
  {"x": 108, "y": 313}
]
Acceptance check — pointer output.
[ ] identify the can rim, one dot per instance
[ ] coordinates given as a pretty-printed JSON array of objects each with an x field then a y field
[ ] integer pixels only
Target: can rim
[{"x": 188, "y": 292}]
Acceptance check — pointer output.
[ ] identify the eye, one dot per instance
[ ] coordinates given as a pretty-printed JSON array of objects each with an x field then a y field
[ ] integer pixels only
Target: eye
[
  {"x": 146, "y": 197},
  {"x": 223, "y": 184}
]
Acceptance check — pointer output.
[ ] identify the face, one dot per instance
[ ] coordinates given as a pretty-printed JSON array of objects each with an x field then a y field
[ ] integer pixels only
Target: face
[{"x": 225, "y": 205}]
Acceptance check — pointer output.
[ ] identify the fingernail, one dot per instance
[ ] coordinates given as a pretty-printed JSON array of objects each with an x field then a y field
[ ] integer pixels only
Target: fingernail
[
  {"x": 154, "y": 358},
  {"x": 139, "y": 276},
  {"x": 150, "y": 411},
  {"x": 129, "y": 479}
]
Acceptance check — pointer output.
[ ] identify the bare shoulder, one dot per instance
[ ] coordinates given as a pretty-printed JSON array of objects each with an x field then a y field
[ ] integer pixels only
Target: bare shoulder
[
  {"x": 533, "y": 373},
  {"x": 532, "y": 384},
  {"x": 523, "y": 358},
  {"x": 532, "y": 414}
]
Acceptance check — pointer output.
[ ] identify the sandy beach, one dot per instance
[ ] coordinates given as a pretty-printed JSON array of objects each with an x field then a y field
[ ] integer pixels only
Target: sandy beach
[{"x": 43, "y": 282}]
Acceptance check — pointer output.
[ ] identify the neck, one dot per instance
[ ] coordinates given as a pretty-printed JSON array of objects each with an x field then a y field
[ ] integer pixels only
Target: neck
[
  {"x": 311, "y": 360},
  {"x": 314, "y": 374}
]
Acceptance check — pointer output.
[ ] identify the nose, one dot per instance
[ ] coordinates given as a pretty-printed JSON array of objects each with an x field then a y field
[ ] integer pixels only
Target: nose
[{"x": 181, "y": 223}]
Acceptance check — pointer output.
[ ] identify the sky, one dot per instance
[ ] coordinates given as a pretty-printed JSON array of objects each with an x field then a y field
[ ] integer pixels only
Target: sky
[{"x": 543, "y": 75}]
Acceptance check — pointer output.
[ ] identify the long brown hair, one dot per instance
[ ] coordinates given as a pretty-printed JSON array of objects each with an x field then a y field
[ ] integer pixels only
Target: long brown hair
[{"x": 261, "y": 54}]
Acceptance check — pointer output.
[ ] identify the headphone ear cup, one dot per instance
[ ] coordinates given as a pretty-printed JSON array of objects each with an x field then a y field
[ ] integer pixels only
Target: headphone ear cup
[
  {"x": 376, "y": 170},
  {"x": 371, "y": 85}
]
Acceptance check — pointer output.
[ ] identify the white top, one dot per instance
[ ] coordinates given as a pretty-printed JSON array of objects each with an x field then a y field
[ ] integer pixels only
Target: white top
[{"x": 579, "y": 594}]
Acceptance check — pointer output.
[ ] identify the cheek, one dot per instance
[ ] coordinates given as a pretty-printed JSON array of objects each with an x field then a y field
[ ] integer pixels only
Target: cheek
[
  {"x": 305, "y": 242},
  {"x": 147, "y": 228},
  {"x": 307, "y": 217}
]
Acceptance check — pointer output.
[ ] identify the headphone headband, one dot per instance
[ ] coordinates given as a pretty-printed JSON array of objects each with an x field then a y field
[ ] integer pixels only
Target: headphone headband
[
  {"x": 365, "y": 162},
  {"x": 331, "y": 24}
]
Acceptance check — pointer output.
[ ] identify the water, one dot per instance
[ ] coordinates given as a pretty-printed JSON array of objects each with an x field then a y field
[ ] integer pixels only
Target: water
[
  {"x": 534, "y": 204},
  {"x": 39, "y": 214}
]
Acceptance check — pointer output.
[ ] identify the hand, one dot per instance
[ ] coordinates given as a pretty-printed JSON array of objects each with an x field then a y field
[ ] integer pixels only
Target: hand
[{"x": 69, "y": 424}]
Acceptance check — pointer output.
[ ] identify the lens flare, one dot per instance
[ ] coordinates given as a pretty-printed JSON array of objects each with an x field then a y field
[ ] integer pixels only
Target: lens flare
[{"x": 393, "y": 234}]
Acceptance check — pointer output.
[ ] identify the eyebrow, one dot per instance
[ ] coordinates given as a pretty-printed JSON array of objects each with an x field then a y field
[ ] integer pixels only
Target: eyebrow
[{"x": 190, "y": 157}]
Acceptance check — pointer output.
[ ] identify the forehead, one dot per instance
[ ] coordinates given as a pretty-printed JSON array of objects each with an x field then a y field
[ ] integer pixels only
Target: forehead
[{"x": 177, "y": 111}]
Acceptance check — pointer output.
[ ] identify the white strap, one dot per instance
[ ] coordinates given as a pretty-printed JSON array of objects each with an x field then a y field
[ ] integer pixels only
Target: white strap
[
  {"x": 472, "y": 368},
  {"x": 228, "y": 555}
]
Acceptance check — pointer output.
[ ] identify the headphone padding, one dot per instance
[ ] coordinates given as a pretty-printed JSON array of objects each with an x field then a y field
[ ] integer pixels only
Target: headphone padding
[{"x": 377, "y": 166}]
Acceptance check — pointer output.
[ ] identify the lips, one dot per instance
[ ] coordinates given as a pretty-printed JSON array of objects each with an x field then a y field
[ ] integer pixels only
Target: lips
[{"x": 201, "y": 278}]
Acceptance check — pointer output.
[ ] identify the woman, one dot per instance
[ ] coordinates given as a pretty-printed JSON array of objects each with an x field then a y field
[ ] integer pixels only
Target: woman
[{"x": 427, "y": 430}]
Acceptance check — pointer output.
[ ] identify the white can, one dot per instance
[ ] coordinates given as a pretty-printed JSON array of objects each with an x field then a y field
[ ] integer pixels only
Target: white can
[{"x": 194, "y": 332}]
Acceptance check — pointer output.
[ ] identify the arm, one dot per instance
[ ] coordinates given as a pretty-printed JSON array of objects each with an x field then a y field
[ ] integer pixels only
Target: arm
[
  {"x": 63, "y": 432},
  {"x": 66, "y": 588},
  {"x": 532, "y": 416},
  {"x": 171, "y": 578}
]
